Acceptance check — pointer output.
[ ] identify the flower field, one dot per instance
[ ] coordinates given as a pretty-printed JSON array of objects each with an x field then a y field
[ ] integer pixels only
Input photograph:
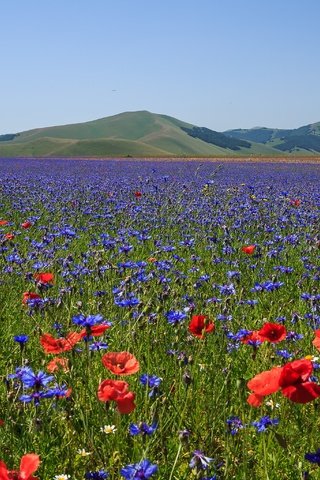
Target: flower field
[{"x": 159, "y": 320}]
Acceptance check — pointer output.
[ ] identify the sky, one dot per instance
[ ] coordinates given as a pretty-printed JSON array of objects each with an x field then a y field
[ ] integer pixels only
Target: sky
[{"x": 219, "y": 64}]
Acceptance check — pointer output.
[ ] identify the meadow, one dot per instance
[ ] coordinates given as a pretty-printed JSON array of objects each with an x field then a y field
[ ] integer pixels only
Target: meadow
[{"x": 159, "y": 320}]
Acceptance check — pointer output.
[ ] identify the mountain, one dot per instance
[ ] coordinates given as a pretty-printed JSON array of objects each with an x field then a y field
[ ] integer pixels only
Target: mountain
[
  {"x": 303, "y": 140},
  {"x": 146, "y": 134}
]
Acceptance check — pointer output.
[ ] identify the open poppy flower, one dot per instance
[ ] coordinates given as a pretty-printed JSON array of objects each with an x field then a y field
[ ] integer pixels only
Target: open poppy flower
[
  {"x": 58, "y": 363},
  {"x": 137, "y": 194},
  {"x": 95, "y": 330},
  {"x": 3, "y": 223},
  {"x": 118, "y": 391},
  {"x": 121, "y": 363},
  {"x": 292, "y": 380},
  {"x": 316, "y": 341},
  {"x": 295, "y": 202},
  {"x": 44, "y": 277},
  {"x": 199, "y": 325},
  {"x": 26, "y": 224},
  {"x": 272, "y": 332},
  {"x": 29, "y": 296},
  {"x": 28, "y": 465},
  {"x": 9, "y": 236},
  {"x": 59, "y": 345},
  {"x": 249, "y": 249}
]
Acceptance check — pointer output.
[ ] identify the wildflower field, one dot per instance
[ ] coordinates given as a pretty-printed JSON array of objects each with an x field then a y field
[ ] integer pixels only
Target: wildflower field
[{"x": 159, "y": 320}]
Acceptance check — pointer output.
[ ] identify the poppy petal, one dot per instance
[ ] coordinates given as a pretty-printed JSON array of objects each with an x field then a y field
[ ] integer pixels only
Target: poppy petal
[{"x": 28, "y": 465}]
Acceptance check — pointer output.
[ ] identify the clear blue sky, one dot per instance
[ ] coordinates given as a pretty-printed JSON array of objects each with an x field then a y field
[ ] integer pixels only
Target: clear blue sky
[{"x": 216, "y": 63}]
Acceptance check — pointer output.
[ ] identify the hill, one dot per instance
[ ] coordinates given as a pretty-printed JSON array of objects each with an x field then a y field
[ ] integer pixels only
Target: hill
[
  {"x": 303, "y": 140},
  {"x": 127, "y": 134},
  {"x": 146, "y": 134}
]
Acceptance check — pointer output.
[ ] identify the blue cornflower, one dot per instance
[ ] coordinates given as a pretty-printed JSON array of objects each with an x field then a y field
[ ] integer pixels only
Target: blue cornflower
[
  {"x": 265, "y": 422},
  {"x": 227, "y": 289},
  {"x": 33, "y": 380},
  {"x": 96, "y": 346},
  {"x": 142, "y": 470},
  {"x": 88, "y": 321},
  {"x": 152, "y": 382},
  {"x": 175, "y": 317},
  {"x": 142, "y": 428},
  {"x": 313, "y": 457},
  {"x": 199, "y": 460},
  {"x": 100, "y": 474},
  {"x": 234, "y": 424},
  {"x": 22, "y": 339}
]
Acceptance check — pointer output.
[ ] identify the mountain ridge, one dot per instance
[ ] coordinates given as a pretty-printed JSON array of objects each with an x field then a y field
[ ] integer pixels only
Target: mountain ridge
[{"x": 142, "y": 133}]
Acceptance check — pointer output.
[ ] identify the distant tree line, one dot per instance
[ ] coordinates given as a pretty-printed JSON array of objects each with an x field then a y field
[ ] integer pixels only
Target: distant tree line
[
  {"x": 307, "y": 142},
  {"x": 216, "y": 138},
  {"x": 7, "y": 137}
]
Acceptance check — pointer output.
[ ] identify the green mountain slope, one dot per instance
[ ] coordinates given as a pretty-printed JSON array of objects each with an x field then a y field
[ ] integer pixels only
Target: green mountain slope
[
  {"x": 303, "y": 140},
  {"x": 147, "y": 134}
]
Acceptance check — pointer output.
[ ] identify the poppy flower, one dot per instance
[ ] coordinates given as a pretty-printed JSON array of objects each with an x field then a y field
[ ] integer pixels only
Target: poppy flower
[
  {"x": 121, "y": 363},
  {"x": 199, "y": 325},
  {"x": 9, "y": 236},
  {"x": 126, "y": 403},
  {"x": 44, "y": 277},
  {"x": 3, "y": 223},
  {"x": 295, "y": 202},
  {"x": 316, "y": 341},
  {"x": 109, "y": 390},
  {"x": 292, "y": 380},
  {"x": 59, "y": 345},
  {"x": 95, "y": 330},
  {"x": 249, "y": 249},
  {"x": 26, "y": 224},
  {"x": 58, "y": 363},
  {"x": 137, "y": 194},
  {"x": 272, "y": 332},
  {"x": 29, "y": 296},
  {"x": 255, "y": 400},
  {"x": 251, "y": 337},
  {"x": 28, "y": 465},
  {"x": 118, "y": 391},
  {"x": 266, "y": 382}
]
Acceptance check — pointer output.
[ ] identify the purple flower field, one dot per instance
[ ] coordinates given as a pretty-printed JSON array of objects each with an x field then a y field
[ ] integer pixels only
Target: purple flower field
[{"x": 159, "y": 320}]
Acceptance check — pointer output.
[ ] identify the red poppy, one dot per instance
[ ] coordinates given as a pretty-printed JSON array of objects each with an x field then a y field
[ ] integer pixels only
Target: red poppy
[
  {"x": 118, "y": 391},
  {"x": 266, "y": 382},
  {"x": 137, "y": 194},
  {"x": 59, "y": 345},
  {"x": 295, "y": 372},
  {"x": 126, "y": 403},
  {"x": 44, "y": 277},
  {"x": 29, "y": 296},
  {"x": 251, "y": 337},
  {"x": 121, "y": 363},
  {"x": 295, "y": 202},
  {"x": 95, "y": 331},
  {"x": 255, "y": 400},
  {"x": 109, "y": 390},
  {"x": 272, "y": 332},
  {"x": 199, "y": 325},
  {"x": 28, "y": 465},
  {"x": 9, "y": 236},
  {"x": 26, "y": 224},
  {"x": 249, "y": 249},
  {"x": 3, "y": 223},
  {"x": 292, "y": 379},
  {"x": 58, "y": 363},
  {"x": 316, "y": 341}
]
